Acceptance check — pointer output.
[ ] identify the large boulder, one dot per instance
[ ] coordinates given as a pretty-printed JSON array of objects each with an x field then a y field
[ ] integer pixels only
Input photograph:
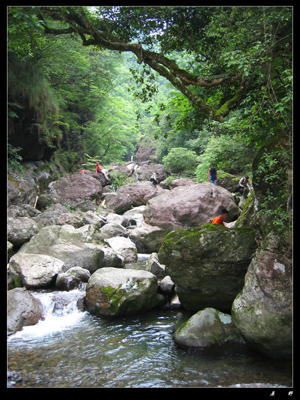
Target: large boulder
[
  {"x": 22, "y": 310},
  {"x": 79, "y": 191},
  {"x": 208, "y": 264},
  {"x": 263, "y": 311},
  {"x": 20, "y": 230},
  {"x": 115, "y": 292},
  {"x": 147, "y": 169},
  {"x": 75, "y": 247},
  {"x": 180, "y": 182},
  {"x": 189, "y": 206},
  {"x": 133, "y": 195},
  {"x": 36, "y": 270},
  {"x": 206, "y": 328}
]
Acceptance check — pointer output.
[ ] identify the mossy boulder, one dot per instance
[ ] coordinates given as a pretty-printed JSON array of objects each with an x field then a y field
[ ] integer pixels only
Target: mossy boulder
[
  {"x": 206, "y": 328},
  {"x": 263, "y": 310},
  {"x": 208, "y": 264},
  {"x": 115, "y": 292}
]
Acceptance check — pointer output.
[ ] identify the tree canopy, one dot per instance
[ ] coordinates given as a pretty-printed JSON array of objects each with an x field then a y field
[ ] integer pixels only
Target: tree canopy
[
  {"x": 205, "y": 74},
  {"x": 230, "y": 47}
]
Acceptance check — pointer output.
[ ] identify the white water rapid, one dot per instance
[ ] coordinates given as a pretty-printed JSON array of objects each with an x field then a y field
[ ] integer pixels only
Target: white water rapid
[{"x": 60, "y": 311}]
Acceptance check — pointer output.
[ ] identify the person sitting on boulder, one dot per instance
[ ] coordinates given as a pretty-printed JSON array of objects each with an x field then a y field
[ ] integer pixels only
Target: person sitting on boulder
[
  {"x": 102, "y": 170},
  {"x": 221, "y": 218},
  {"x": 154, "y": 179}
]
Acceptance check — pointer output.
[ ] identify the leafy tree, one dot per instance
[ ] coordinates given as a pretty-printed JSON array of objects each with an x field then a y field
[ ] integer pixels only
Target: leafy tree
[{"x": 180, "y": 160}]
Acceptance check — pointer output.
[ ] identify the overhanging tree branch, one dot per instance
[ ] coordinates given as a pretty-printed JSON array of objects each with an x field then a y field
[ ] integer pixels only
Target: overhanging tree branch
[{"x": 90, "y": 34}]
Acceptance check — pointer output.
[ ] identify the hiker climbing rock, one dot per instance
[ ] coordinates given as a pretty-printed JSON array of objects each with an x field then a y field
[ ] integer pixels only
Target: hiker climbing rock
[
  {"x": 244, "y": 186},
  {"x": 154, "y": 179},
  {"x": 221, "y": 218}
]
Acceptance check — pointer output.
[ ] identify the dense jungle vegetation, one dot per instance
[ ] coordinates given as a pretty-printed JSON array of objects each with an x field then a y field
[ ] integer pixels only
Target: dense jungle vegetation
[{"x": 201, "y": 84}]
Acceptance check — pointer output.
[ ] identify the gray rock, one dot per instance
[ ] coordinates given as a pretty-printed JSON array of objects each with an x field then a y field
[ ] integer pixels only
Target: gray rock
[
  {"x": 153, "y": 266},
  {"x": 166, "y": 285},
  {"x": 80, "y": 273},
  {"x": 36, "y": 270},
  {"x": 66, "y": 281},
  {"x": 148, "y": 238},
  {"x": 22, "y": 310},
  {"x": 20, "y": 230},
  {"x": 124, "y": 247},
  {"x": 112, "y": 229},
  {"x": 75, "y": 247},
  {"x": 206, "y": 328}
]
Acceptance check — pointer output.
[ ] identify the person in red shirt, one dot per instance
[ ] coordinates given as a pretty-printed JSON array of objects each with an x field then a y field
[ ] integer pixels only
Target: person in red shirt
[
  {"x": 221, "y": 218},
  {"x": 102, "y": 170},
  {"x": 98, "y": 167}
]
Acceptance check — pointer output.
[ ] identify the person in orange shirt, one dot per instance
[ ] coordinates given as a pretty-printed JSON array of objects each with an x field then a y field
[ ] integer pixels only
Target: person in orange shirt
[{"x": 221, "y": 218}]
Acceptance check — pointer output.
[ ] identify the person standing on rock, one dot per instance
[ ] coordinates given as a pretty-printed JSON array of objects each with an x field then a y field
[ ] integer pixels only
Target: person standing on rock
[
  {"x": 212, "y": 174},
  {"x": 221, "y": 218},
  {"x": 102, "y": 170}
]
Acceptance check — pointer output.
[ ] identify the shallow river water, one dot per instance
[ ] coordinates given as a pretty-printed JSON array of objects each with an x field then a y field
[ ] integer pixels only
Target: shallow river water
[{"x": 72, "y": 348}]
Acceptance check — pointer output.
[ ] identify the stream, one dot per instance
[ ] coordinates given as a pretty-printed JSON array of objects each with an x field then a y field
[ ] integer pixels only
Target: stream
[{"x": 72, "y": 348}]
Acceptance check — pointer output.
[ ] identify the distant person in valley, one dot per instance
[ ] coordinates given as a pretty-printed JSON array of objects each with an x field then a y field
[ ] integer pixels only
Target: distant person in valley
[
  {"x": 154, "y": 179},
  {"x": 102, "y": 170},
  {"x": 212, "y": 174},
  {"x": 244, "y": 186},
  {"x": 221, "y": 218}
]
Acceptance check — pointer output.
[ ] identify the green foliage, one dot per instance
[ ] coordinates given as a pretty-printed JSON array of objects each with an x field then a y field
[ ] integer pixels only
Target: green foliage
[
  {"x": 180, "y": 160},
  {"x": 13, "y": 158},
  {"x": 24, "y": 31},
  {"x": 69, "y": 160},
  {"x": 274, "y": 177},
  {"x": 227, "y": 153}
]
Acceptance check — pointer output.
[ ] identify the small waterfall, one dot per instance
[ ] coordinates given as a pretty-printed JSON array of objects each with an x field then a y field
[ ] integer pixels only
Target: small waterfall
[{"x": 60, "y": 311}]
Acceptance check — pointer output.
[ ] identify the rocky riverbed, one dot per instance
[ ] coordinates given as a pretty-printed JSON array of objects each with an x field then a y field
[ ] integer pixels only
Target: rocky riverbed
[{"x": 73, "y": 239}]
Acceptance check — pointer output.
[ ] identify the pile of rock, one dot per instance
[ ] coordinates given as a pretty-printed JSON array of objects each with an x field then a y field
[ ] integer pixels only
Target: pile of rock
[{"x": 192, "y": 263}]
